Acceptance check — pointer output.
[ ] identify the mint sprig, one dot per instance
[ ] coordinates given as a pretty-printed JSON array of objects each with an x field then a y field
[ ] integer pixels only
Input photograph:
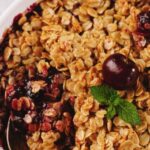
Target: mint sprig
[
  {"x": 115, "y": 104},
  {"x": 111, "y": 112},
  {"x": 128, "y": 112},
  {"x": 103, "y": 95}
]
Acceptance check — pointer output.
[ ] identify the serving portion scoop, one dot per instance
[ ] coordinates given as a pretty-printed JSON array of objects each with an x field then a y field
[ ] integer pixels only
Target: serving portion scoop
[{"x": 15, "y": 139}]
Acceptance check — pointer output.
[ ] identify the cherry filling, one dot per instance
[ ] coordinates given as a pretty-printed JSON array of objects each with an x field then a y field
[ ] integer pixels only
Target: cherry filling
[
  {"x": 146, "y": 79},
  {"x": 141, "y": 36},
  {"x": 29, "y": 12},
  {"x": 37, "y": 105},
  {"x": 34, "y": 8},
  {"x": 144, "y": 23},
  {"x": 15, "y": 24}
]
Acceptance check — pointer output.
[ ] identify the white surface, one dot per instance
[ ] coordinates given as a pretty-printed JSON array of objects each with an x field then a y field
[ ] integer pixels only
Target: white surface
[
  {"x": 15, "y": 8},
  {"x": 4, "y": 4}
]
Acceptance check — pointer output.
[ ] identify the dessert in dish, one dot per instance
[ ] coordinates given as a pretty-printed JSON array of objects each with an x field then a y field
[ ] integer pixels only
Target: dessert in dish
[{"x": 75, "y": 75}]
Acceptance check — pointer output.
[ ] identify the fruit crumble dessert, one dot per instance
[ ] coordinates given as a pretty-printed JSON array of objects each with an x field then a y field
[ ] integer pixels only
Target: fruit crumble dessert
[{"x": 75, "y": 75}]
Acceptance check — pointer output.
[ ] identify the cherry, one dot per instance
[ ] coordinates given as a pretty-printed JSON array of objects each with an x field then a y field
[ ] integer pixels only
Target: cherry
[{"x": 120, "y": 72}]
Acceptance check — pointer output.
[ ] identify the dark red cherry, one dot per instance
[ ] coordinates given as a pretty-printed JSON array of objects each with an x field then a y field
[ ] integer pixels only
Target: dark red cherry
[{"x": 120, "y": 72}]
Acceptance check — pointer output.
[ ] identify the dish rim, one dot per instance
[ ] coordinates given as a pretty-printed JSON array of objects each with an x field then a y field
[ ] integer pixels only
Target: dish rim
[{"x": 10, "y": 13}]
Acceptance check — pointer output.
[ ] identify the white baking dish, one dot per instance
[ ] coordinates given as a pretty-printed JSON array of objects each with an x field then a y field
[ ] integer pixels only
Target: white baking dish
[{"x": 18, "y": 6}]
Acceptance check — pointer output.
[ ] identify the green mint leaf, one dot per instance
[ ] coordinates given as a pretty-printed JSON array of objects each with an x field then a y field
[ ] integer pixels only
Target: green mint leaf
[
  {"x": 115, "y": 104},
  {"x": 117, "y": 101},
  {"x": 111, "y": 112},
  {"x": 104, "y": 94},
  {"x": 128, "y": 112}
]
